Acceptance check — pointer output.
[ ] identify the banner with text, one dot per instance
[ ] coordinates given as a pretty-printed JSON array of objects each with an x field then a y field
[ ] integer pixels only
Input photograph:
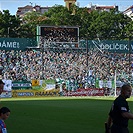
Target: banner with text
[
  {"x": 113, "y": 46},
  {"x": 85, "y": 92},
  {"x": 16, "y": 85},
  {"x": 16, "y": 43},
  {"x": 35, "y": 93}
]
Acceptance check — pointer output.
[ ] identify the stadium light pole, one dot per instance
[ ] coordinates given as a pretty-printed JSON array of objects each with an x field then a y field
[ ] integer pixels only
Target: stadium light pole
[
  {"x": 129, "y": 45},
  {"x": 8, "y": 31},
  {"x": 87, "y": 50},
  {"x": 115, "y": 81}
]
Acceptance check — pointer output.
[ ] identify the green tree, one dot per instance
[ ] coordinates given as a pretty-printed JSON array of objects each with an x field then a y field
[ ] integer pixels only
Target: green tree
[
  {"x": 9, "y": 24},
  {"x": 29, "y": 23},
  {"x": 129, "y": 30},
  {"x": 108, "y": 25},
  {"x": 95, "y": 24},
  {"x": 58, "y": 15}
]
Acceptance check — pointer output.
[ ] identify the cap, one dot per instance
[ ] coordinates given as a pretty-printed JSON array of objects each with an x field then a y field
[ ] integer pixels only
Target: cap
[{"x": 1, "y": 82}]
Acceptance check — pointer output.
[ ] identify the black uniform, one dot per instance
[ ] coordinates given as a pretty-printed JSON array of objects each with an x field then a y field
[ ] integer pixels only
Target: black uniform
[{"x": 120, "y": 123}]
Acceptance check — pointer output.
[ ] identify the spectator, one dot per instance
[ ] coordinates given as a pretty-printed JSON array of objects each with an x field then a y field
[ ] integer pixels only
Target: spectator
[{"x": 65, "y": 64}]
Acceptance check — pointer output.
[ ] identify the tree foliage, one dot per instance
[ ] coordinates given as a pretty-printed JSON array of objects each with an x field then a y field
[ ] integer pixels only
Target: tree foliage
[
  {"x": 9, "y": 24},
  {"x": 92, "y": 25}
]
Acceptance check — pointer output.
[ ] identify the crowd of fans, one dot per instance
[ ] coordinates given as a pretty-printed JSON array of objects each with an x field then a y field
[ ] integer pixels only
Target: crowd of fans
[
  {"x": 65, "y": 64},
  {"x": 60, "y": 34}
]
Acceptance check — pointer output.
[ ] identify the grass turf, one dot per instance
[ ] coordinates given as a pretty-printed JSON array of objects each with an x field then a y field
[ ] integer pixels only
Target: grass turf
[{"x": 58, "y": 115}]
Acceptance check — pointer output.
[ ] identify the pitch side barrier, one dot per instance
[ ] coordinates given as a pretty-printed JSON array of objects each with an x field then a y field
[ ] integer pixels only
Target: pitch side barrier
[{"x": 48, "y": 87}]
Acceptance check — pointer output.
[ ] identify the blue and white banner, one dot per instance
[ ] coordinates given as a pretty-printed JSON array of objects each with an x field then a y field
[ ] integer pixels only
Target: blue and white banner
[{"x": 8, "y": 85}]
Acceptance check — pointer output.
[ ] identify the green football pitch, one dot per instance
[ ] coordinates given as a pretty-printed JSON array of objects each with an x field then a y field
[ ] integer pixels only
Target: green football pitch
[{"x": 59, "y": 115}]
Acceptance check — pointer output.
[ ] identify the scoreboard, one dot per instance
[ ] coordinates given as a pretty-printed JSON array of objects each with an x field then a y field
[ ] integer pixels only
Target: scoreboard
[{"x": 59, "y": 34}]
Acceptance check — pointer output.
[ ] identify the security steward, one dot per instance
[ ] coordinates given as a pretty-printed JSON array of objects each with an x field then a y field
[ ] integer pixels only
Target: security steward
[{"x": 120, "y": 113}]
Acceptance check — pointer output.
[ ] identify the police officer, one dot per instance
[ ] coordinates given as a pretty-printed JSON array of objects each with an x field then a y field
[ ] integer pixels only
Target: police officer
[{"x": 120, "y": 112}]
